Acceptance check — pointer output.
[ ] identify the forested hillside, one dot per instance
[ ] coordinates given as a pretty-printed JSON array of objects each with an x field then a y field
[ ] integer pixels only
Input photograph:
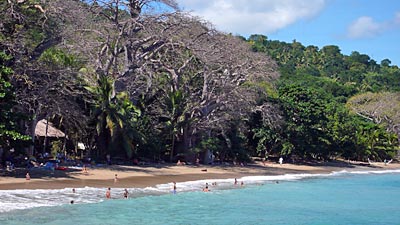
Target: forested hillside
[
  {"x": 140, "y": 79},
  {"x": 334, "y": 104}
]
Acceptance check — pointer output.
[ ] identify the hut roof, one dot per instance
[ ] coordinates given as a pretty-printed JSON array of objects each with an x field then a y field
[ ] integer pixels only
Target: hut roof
[{"x": 40, "y": 130}]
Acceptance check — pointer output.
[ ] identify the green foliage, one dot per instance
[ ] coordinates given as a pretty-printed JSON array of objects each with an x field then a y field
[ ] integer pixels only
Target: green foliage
[
  {"x": 304, "y": 110},
  {"x": 56, "y": 147},
  {"x": 373, "y": 142},
  {"x": 174, "y": 119},
  {"x": 355, "y": 70},
  {"x": 9, "y": 132},
  {"x": 115, "y": 117},
  {"x": 58, "y": 57},
  {"x": 212, "y": 144},
  {"x": 235, "y": 141},
  {"x": 319, "y": 127},
  {"x": 313, "y": 90}
]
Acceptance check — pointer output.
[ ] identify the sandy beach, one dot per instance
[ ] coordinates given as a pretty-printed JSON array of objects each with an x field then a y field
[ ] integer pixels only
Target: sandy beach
[{"x": 151, "y": 175}]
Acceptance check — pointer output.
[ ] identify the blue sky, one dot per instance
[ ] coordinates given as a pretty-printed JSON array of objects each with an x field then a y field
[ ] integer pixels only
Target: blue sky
[{"x": 371, "y": 27}]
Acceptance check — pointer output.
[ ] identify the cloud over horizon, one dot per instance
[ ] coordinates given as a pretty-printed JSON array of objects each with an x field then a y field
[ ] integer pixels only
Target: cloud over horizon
[
  {"x": 367, "y": 27},
  {"x": 256, "y": 16}
]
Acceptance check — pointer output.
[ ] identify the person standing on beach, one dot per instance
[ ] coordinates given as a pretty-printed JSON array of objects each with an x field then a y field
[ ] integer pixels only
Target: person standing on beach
[
  {"x": 116, "y": 178},
  {"x": 108, "y": 193},
  {"x": 84, "y": 169},
  {"x": 27, "y": 176},
  {"x": 280, "y": 160}
]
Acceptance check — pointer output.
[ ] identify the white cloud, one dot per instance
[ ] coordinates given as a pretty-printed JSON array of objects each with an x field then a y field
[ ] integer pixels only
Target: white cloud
[
  {"x": 256, "y": 16},
  {"x": 366, "y": 27},
  {"x": 397, "y": 18}
]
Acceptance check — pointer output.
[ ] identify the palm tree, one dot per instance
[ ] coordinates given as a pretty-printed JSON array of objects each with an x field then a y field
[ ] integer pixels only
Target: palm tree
[
  {"x": 113, "y": 113},
  {"x": 174, "y": 103},
  {"x": 126, "y": 134}
]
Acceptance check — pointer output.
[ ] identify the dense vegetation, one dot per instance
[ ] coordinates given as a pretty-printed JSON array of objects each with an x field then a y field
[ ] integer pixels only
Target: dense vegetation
[
  {"x": 130, "y": 81},
  {"x": 328, "y": 104}
]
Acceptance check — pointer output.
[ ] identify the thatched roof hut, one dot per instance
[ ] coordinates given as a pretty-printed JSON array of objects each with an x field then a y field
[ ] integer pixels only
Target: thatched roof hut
[{"x": 40, "y": 130}]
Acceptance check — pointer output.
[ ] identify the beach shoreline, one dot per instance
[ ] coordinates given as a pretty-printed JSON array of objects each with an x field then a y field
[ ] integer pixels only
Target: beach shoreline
[{"x": 152, "y": 175}]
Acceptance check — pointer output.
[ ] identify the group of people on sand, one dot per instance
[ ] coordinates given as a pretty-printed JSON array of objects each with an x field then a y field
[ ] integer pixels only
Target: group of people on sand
[{"x": 181, "y": 163}]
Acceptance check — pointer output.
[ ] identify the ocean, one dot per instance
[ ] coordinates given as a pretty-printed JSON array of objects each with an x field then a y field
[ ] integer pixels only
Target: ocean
[{"x": 348, "y": 198}]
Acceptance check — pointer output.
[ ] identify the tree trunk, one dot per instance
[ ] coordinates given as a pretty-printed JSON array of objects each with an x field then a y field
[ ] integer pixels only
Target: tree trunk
[
  {"x": 187, "y": 143},
  {"x": 64, "y": 149},
  {"x": 171, "y": 157},
  {"x": 397, "y": 130},
  {"x": 45, "y": 135},
  {"x": 33, "y": 128}
]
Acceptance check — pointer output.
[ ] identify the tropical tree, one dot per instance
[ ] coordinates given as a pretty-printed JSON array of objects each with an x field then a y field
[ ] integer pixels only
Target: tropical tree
[
  {"x": 175, "y": 117},
  {"x": 113, "y": 114},
  {"x": 305, "y": 115},
  {"x": 380, "y": 108},
  {"x": 45, "y": 72},
  {"x": 373, "y": 142},
  {"x": 9, "y": 118}
]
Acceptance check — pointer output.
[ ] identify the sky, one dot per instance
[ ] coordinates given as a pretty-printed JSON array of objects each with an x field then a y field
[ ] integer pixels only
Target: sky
[{"x": 370, "y": 27}]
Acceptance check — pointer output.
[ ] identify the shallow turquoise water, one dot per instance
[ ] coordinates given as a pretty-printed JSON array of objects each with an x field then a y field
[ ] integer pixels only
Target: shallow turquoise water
[{"x": 346, "y": 199}]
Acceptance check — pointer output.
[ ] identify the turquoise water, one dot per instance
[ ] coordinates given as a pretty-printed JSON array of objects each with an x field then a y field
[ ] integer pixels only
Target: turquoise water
[{"x": 368, "y": 199}]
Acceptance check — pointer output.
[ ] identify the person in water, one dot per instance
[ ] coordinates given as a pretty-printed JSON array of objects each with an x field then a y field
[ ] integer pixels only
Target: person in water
[
  {"x": 126, "y": 193},
  {"x": 108, "y": 193},
  {"x": 206, "y": 188},
  {"x": 174, "y": 188}
]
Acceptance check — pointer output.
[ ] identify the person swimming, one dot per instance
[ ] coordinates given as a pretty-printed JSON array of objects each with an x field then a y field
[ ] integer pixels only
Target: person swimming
[{"x": 206, "y": 188}]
